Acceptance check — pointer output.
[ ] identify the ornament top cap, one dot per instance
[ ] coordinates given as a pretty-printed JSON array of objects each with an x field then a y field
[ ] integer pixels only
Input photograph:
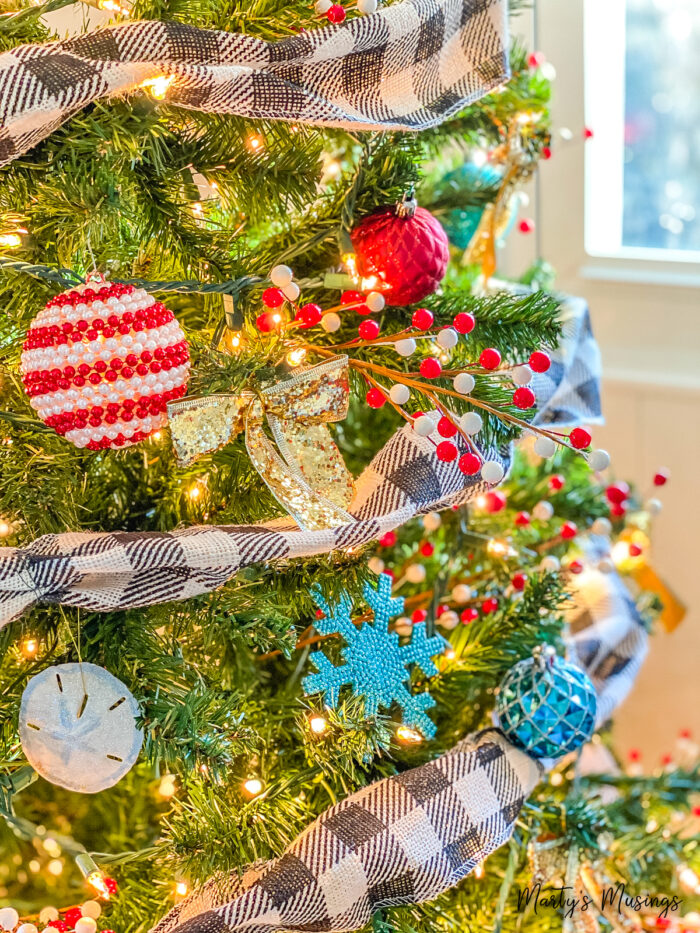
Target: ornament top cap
[
  {"x": 544, "y": 655},
  {"x": 408, "y": 205}
]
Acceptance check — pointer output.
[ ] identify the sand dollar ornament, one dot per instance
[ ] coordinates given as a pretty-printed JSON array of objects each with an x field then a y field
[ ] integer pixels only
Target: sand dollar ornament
[{"x": 77, "y": 725}]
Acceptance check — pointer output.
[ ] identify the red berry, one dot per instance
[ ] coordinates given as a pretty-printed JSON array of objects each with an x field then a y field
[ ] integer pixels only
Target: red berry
[
  {"x": 495, "y": 501},
  {"x": 375, "y": 398},
  {"x": 575, "y": 566},
  {"x": 518, "y": 581},
  {"x": 524, "y": 397},
  {"x": 468, "y": 615},
  {"x": 546, "y": 152},
  {"x": 635, "y": 550},
  {"x": 661, "y": 476},
  {"x": 469, "y": 464},
  {"x": 617, "y": 492},
  {"x": 110, "y": 884},
  {"x": 522, "y": 518},
  {"x": 587, "y": 132},
  {"x": 267, "y": 322},
  {"x": 336, "y": 14},
  {"x": 419, "y": 615},
  {"x": 72, "y": 915},
  {"x": 422, "y": 318},
  {"x": 368, "y": 329},
  {"x": 427, "y": 549},
  {"x": 556, "y": 482},
  {"x": 490, "y": 358},
  {"x": 464, "y": 323},
  {"x": 446, "y": 452},
  {"x": 320, "y": 614},
  {"x": 309, "y": 315},
  {"x": 526, "y": 225},
  {"x": 430, "y": 368},
  {"x": 579, "y": 438},
  {"x": 272, "y": 297},
  {"x": 446, "y": 428},
  {"x": 351, "y": 297},
  {"x": 618, "y": 509},
  {"x": 568, "y": 530},
  {"x": 489, "y": 605},
  {"x": 58, "y": 924},
  {"x": 388, "y": 539},
  {"x": 536, "y": 59}
]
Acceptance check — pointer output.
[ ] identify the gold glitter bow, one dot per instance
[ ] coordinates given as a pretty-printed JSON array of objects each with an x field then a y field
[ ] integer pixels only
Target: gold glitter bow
[{"x": 310, "y": 479}]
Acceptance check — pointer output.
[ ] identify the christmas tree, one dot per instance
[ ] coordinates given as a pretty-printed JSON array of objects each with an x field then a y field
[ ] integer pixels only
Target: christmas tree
[{"x": 270, "y": 547}]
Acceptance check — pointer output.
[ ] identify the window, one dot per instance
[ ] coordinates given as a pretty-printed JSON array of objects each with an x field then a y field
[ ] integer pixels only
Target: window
[{"x": 642, "y": 84}]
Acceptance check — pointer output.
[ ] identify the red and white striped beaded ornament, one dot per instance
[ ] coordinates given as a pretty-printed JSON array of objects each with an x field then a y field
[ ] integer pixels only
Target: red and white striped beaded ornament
[{"x": 101, "y": 362}]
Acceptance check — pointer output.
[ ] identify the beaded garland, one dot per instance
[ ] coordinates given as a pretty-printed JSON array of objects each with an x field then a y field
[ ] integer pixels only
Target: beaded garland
[{"x": 101, "y": 362}]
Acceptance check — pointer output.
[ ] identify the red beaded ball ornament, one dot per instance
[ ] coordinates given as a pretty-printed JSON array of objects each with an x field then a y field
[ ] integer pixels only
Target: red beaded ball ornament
[
  {"x": 101, "y": 362},
  {"x": 405, "y": 249}
]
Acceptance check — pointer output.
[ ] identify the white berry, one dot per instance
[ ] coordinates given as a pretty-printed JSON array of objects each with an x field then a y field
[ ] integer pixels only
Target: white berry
[
  {"x": 330, "y": 322},
  {"x": 492, "y": 471},
  {"x": 85, "y": 925},
  {"x": 461, "y": 593},
  {"x": 432, "y": 521},
  {"x": 550, "y": 564},
  {"x": 367, "y": 6},
  {"x": 415, "y": 573},
  {"x": 406, "y": 347},
  {"x": 399, "y": 394},
  {"x": 599, "y": 460},
  {"x": 545, "y": 447},
  {"x": 543, "y": 510},
  {"x": 521, "y": 375},
  {"x": 9, "y": 918},
  {"x": 48, "y": 914},
  {"x": 448, "y": 620},
  {"x": 463, "y": 383},
  {"x": 471, "y": 423},
  {"x": 376, "y": 565},
  {"x": 291, "y": 291},
  {"x": 424, "y": 426},
  {"x": 91, "y": 909},
  {"x": 27, "y": 928},
  {"x": 283, "y": 275},
  {"x": 403, "y": 626},
  {"x": 447, "y": 338},
  {"x": 375, "y": 301},
  {"x": 653, "y": 506},
  {"x": 601, "y": 526}
]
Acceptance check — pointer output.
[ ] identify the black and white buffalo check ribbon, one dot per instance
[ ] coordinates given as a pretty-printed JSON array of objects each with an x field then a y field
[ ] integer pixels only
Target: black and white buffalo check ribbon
[
  {"x": 408, "y": 66},
  {"x": 402, "y": 840}
]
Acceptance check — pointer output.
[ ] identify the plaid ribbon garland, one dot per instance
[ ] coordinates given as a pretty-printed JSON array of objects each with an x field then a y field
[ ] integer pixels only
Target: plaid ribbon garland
[{"x": 408, "y": 66}]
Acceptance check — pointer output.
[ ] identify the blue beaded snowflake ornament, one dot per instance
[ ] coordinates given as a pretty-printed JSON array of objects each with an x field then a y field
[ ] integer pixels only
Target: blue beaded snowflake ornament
[
  {"x": 376, "y": 665},
  {"x": 546, "y": 706}
]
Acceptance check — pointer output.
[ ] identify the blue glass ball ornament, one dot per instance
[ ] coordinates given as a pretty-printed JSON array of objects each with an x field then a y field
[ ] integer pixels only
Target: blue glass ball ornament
[
  {"x": 546, "y": 706},
  {"x": 460, "y": 223}
]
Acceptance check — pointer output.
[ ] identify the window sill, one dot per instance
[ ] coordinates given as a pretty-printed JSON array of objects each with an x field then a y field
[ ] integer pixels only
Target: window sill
[{"x": 661, "y": 273}]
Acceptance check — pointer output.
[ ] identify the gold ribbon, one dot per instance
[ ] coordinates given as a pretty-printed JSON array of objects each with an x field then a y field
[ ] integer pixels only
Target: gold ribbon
[{"x": 309, "y": 479}]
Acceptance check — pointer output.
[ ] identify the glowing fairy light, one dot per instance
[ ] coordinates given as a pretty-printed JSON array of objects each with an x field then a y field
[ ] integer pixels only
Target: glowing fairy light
[
  {"x": 408, "y": 736},
  {"x": 158, "y": 86},
  {"x": 318, "y": 725},
  {"x": 252, "y": 788}
]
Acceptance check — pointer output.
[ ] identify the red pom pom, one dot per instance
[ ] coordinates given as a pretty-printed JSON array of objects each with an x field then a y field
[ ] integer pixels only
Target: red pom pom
[
  {"x": 617, "y": 509},
  {"x": 522, "y": 518},
  {"x": 635, "y": 550},
  {"x": 568, "y": 530},
  {"x": 536, "y": 59},
  {"x": 464, "y": 323},
  {"x": 526, "y": 225},
  {"x": 309, "y": 315},
  {"x": 468, "y": 615},
  {"x": 661, "y": 476},
  {"x": 489, "y": 605},
  {"x": 336, "y": 14},
  {"x": 422, "y": 318},
  {"x": 518, "y": 581},
  {"x": 579, "y": 438},
  {"x": 539, "y": 362},
  {"x": 556, "y": 482},
  {"x": 446, "y": 428},
  {"x": 408, "y": 255},
  {"x": 430, "y": 368},
  {"x": 575, "y": 566},
  {"x": 418, "y": 615},
  {"x": 490, "y": 358},
  {"x": 469, "y": 464},
  {"x": 617, "y": 492},
  {"x": 446, "y": 452},
  {"x": 375, "y": 398},
  {"x": 273, "y": 297},
  {"x": 72, "y": 915},
  {"x": 388, "y": 539},
  {"x": 524, "y": 397},
  {"x": 495, "y": 501},
  {"x": 427, "y": 549},
  {"x": 368, "y": 330}
]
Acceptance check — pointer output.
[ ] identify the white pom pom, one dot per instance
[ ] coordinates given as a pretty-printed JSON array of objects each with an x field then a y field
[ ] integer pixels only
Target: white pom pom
[
  {"x": 463, "y": 383},
  {"x": 601, "y": 526},
  {"x": 375, "y": 301},
  {"x": 550, "y": 564},
  {"x": 543, "y": 510},
  {"x": 471, "y": 423},
  {"x": 432, "y": 521},
  {"x": 9, "y": 918},
  {"x": 406, "y": 347},
  {"x": 415, "y": 573},
  {"x": 330, "y": 322},
  {"x": 521, "y": 375},
  {"x": 424, "y": 426},
  {"x": 399, "y": 394},
  {"x": 376, "y": 565},
  {"x": 599, "y": 460},
  {"x": 27, "y": 928},
  {"x": 605, "y": 565},
  {"x": 653, "y": 506},
  {"x": 461, "y": 593},
  {"x": 91, "y": 909},
  {"x": 403, "y": 626},
  {"x": 48, "y": 914},
  {"x": 367, "y": 6},
  {"x": 448, "y": 620},
  {"x": 283, "y": 275},
  {"x": 545, "y": 447},
  {"x": 85, "y": 925},
  {"x": 291, "y": 291},
  {"x": 492, "y": 471},
  {"x": 447, "y": 338}
]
